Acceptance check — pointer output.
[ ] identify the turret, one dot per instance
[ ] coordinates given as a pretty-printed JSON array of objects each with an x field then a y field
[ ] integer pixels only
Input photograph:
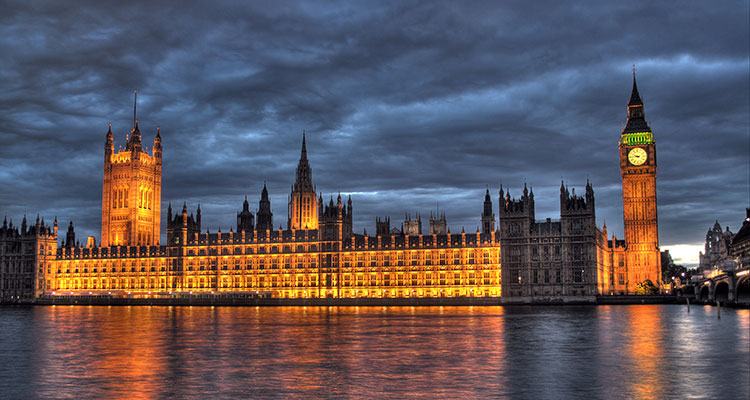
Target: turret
[
  {"x": 70, "y": 237},
  {"x": 590, "y": 195},
  {"x": 245, "y": 219},
  {"x": 412, "y": 227},
  {"x": 383, "y": 227},
  {"x": 488, "y": 218},
  {"x": 109, "y": 145},
  {"x": 264, "y": 214},
  {"x": 487, "y": 202},
  {"x": 157, "y": 145},
  {"x": 169, "y": 214},
  {"x": 198, "y": 217}
]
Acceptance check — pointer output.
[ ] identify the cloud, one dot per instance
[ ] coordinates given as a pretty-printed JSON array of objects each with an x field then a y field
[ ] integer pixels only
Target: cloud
[{"x": 409, "y": 105}]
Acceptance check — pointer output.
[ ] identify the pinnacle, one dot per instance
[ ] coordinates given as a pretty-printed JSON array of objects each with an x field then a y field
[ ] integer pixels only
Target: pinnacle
[{"x": 635, "y": 97}]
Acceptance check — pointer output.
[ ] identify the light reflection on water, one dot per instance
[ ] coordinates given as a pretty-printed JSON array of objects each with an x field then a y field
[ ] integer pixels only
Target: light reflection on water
[{"x": 649, "y": 352}]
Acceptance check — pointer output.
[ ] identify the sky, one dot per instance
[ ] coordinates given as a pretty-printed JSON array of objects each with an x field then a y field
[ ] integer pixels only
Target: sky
[{"x": 409, "y": 106}]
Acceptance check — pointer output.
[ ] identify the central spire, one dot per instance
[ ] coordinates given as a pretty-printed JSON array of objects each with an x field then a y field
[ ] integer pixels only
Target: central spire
[
  {"x": 303, "y": 156},
  {"x": 303, "y": 182},
  {"x": 134, "y": 141}
]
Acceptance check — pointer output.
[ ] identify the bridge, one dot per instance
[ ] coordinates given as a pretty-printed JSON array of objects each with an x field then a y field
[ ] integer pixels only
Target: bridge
[{"x": 730, "y": 287}]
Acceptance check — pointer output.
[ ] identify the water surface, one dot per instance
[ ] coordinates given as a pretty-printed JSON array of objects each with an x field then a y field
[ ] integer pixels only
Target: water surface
[{"x": 649, "y": 352}]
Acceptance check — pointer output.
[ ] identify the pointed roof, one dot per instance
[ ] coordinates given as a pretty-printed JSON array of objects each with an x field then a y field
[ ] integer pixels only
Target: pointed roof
[
  {"x": 303, "y": 182},
  {"x": 636, "y": 117},
  {"x": 635, "y": 97},
  {"x": 303, "y": 155}
]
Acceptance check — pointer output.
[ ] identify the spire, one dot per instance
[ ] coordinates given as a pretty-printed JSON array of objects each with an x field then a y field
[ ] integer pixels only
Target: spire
[
  {"x": 303, "y": 183},
  {"x": 134, "y": 140},
  {"x": 135, "y": 104},
  {"x": 636, "y": 117},
  {"x": 264, "y": 193},
  {"x": 635, "y": 97},
  {"x": 488, "y": 202}
]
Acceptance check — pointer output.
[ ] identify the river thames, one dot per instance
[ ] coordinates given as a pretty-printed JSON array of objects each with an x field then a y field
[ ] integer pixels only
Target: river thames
[{"x": 534, "y": 352}]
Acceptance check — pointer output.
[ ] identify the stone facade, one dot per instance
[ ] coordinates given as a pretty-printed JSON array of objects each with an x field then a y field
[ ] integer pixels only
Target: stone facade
[
  {"x": 27, "y": 259},
  {"x": 717, "y": 249},
  {"x": 548, "y": 258},
  {"x": 319, "y": 254}
]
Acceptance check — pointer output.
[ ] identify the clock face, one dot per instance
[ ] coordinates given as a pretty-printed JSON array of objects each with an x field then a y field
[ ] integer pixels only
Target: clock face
[{"x": 637, "y": 156}]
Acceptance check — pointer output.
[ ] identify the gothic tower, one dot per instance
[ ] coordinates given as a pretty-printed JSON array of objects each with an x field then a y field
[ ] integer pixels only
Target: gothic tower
[
  {"x": 131, "y": 191},
  {"x": 638, "y": 169},
  {"x": 245, "y": 219},
  {"x": 303, "y": 202},
  {"x": 488, "y": 218},
  {"x": 264, "y": 214}
]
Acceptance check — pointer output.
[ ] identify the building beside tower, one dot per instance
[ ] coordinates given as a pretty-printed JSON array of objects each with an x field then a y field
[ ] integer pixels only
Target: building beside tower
[{"x": 318, "y": 254}]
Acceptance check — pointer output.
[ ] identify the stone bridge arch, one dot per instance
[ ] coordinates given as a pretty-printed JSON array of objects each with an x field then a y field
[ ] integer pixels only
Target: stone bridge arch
[
  {"x": 704, "y": 293},
  {"x": 742, "y": 292},
  {"x": 721, "y": 292}
]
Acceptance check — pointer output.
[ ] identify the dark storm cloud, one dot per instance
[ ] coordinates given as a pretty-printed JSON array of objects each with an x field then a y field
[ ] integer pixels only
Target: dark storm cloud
[{"x": 409, "y": 105}]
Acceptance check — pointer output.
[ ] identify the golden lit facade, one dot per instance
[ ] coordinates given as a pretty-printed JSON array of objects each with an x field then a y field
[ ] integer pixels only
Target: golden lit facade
[
  {"x": 328, "y": 260},
  {"x": 289, "y": 264},
  {"x": 131, "y": 192},
  {"x": 638, "y": 168}
]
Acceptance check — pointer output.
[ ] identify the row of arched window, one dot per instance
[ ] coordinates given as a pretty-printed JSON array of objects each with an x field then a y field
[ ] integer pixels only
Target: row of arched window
[{"x": 145, "y": 198}]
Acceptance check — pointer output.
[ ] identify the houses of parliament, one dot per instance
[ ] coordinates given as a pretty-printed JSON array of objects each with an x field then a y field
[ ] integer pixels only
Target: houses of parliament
[{"x": 319, "y": 255}]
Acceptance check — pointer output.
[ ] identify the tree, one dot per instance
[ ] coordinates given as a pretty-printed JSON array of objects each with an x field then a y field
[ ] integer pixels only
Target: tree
[
  {"x": 646, "y": 288},
  {"x": 669, "y": 269}
]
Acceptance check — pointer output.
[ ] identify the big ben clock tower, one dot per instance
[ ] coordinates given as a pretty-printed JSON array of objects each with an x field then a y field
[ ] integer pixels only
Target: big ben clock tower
[{"x": 638, "y": 169}]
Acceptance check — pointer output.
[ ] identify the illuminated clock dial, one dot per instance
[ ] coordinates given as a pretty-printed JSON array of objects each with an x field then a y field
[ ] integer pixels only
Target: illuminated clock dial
[{"x": 637, "y": 156}]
